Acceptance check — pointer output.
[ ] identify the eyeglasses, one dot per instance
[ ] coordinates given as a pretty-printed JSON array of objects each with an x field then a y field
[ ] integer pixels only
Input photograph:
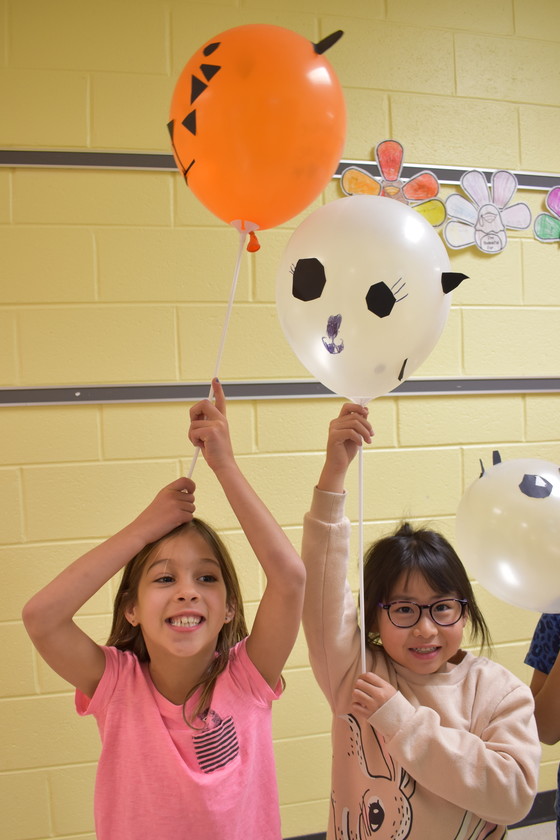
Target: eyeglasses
[{"x": 446, "y": 612}]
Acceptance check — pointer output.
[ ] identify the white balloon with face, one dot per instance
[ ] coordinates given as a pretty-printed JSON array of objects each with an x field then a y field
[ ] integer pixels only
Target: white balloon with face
[
  {"x": 363, "y": 294},
  {"x": 508, "y": 532}
]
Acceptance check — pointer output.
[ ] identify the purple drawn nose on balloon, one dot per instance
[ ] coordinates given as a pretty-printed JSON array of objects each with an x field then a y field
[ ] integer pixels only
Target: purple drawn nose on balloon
[{"x": 333, "y": 327}]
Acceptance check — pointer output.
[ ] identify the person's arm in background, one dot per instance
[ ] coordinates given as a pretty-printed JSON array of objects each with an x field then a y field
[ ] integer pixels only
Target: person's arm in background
[
  {"x": 546, "y": 691},
  {"x": 544, "y": 658}
]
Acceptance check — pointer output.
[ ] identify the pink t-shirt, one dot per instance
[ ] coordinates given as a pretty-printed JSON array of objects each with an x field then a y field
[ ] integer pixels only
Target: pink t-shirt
[{"x": 159, "y": 779}]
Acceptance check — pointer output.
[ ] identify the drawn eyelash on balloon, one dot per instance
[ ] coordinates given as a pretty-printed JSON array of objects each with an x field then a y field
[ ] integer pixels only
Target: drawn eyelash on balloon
[{"x": 381, "y": 299}]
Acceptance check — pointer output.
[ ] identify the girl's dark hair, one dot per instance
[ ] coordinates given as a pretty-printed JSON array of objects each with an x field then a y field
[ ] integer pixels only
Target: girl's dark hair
[
  {"x": 427, "y": 552},
  {"x": 126, "y": 637}
]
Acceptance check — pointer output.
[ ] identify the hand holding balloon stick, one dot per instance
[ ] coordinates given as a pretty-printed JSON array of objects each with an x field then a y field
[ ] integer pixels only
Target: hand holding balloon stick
[{"x": 363, "y": 294}]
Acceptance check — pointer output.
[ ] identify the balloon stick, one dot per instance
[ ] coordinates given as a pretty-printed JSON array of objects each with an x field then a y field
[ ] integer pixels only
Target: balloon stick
[
  {"x": 361, "y": 554},
  {"x": 243, "y": 228}
]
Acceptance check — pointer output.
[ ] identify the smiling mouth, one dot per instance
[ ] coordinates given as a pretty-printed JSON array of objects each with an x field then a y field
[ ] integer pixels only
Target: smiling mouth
[
  {"x": 185, "y": 620},
  {"x": 430, "y": 649}
]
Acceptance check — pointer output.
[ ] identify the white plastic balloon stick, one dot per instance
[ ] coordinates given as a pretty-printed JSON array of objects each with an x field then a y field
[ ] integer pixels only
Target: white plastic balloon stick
[
  {"x": 361, "y": 554},
  {"x": 244, "y": 230}
]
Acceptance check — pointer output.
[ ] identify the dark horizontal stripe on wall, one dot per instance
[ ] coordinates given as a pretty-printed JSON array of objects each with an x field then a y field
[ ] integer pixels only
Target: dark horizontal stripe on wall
[
  {"x": 453, "y": 174},
  {"x": 281, "y": 390},
  {"x": 542, "y": 811},
  {"x": 144, "y": 160},
  {"x": 85, "y": 160}
]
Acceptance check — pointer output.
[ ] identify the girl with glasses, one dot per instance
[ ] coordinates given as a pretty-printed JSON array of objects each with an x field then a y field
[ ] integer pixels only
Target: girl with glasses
[{"x": 432, "y": 741}]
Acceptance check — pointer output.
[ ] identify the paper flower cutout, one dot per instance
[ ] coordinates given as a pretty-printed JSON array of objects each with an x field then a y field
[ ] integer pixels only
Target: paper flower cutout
[
  {"x": 419, "y": 191},
  {"x": 547, "y": 227},
  {"x": 484, "y": 221}
]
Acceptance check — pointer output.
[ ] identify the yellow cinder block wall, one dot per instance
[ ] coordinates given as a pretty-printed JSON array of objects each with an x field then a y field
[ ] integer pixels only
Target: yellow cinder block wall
[{"x": 123, "y": 277}]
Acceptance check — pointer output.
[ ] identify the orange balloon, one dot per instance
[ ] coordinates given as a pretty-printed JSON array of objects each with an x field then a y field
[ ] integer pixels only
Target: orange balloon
[{"x": 258, "y": 123}]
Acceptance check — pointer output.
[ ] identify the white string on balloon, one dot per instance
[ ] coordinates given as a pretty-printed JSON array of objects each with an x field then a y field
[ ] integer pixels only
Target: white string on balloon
[{"x": 243, "y": 228}]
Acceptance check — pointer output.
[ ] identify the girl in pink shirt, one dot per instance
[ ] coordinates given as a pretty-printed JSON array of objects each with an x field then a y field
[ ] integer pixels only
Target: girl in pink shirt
[{"x": 181, "y": 693}]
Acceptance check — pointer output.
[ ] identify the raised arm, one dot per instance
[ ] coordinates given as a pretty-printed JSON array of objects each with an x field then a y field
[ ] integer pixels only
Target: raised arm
[
  {"x": 49, "y": 615},
  {"x": 329, "y": 616},
  {"x": 279, "y": 614},
  {"x": 346, "y": 434},
  {"x": 546, "y": 691}
]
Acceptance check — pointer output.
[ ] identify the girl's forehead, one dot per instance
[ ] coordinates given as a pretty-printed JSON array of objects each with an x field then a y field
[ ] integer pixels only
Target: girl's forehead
[
  {"x": 189, "y": 546},
  {"x": 415, "y": 586}
]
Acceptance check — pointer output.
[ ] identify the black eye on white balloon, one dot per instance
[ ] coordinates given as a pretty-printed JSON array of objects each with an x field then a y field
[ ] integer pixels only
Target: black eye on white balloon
[
  {"x": 535, "y": 486},
  {"x": 309, "y": 279},
  {"x": 381, "y": 299}
]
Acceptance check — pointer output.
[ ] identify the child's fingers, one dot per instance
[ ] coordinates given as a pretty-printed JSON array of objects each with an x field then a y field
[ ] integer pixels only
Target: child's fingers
[
  {"x": 198, "y": 433},
  {"x": 353, "y": 408},
  {"x": 352, "y": 425},
  {"x": 185, "y": 484},
  {"x": 344, "y": 436},
  {"x": 219, "y": 396},
  {"x": 200, "y": 410},
  {"x": 205, "y": 409}
]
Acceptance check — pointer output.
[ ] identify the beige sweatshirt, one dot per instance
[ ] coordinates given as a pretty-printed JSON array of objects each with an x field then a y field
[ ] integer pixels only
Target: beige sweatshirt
[{"x": 452, "y": 756}]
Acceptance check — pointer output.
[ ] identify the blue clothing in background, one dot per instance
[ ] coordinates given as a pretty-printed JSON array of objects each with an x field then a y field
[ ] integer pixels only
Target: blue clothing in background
[{"x": 542, "y": 654}]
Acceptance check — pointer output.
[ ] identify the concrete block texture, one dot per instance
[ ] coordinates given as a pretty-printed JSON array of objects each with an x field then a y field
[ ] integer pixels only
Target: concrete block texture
[
  {"x": 507, "y": 69},
  {"x": 540, "y": 20},
  {"x": 48, "y": 108}
]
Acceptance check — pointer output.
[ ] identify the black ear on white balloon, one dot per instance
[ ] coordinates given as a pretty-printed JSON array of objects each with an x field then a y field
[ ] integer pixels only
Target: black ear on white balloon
[{"x": 450, "y": 280}]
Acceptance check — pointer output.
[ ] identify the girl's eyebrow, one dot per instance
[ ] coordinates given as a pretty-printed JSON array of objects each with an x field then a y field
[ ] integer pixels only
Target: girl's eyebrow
[
  {"x": 167, "y": 561},
  {"x": 161, "y": 561},
  {"x": 399, "y": 597}
]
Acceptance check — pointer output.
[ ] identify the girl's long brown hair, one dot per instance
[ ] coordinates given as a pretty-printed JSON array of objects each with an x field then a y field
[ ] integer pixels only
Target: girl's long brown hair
[{"x": 126, "y": 637}]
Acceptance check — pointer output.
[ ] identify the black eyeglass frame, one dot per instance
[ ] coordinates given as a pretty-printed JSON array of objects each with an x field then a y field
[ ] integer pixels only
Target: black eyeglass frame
[{"x": 429, "y": 607}]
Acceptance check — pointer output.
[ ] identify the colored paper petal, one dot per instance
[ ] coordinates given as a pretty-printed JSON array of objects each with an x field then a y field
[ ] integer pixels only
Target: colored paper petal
[
  {"x": 547, "y": 228},
  {"x": 517, "y": 216},
  {"x": 458, "y": 235},
  {"x": 459, "y": 208},
  {"x": 433, "y": 211},
  {"x": 356, "y": 181},
  {"x": 421, "y": 186},
  {"x": 474, "y": 184},
  {"x": 504, "y": 187},
  {"x": 389, "y": 157},
  {"x": 553, "y": 201}
]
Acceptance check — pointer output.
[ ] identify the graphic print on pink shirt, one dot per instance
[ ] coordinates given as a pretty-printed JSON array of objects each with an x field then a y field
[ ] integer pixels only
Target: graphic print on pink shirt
[{"x": 217, "y": 744}]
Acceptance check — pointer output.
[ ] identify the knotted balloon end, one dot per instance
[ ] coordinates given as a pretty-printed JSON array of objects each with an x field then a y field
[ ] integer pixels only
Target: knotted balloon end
[{"x": 253, "y": 244}]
